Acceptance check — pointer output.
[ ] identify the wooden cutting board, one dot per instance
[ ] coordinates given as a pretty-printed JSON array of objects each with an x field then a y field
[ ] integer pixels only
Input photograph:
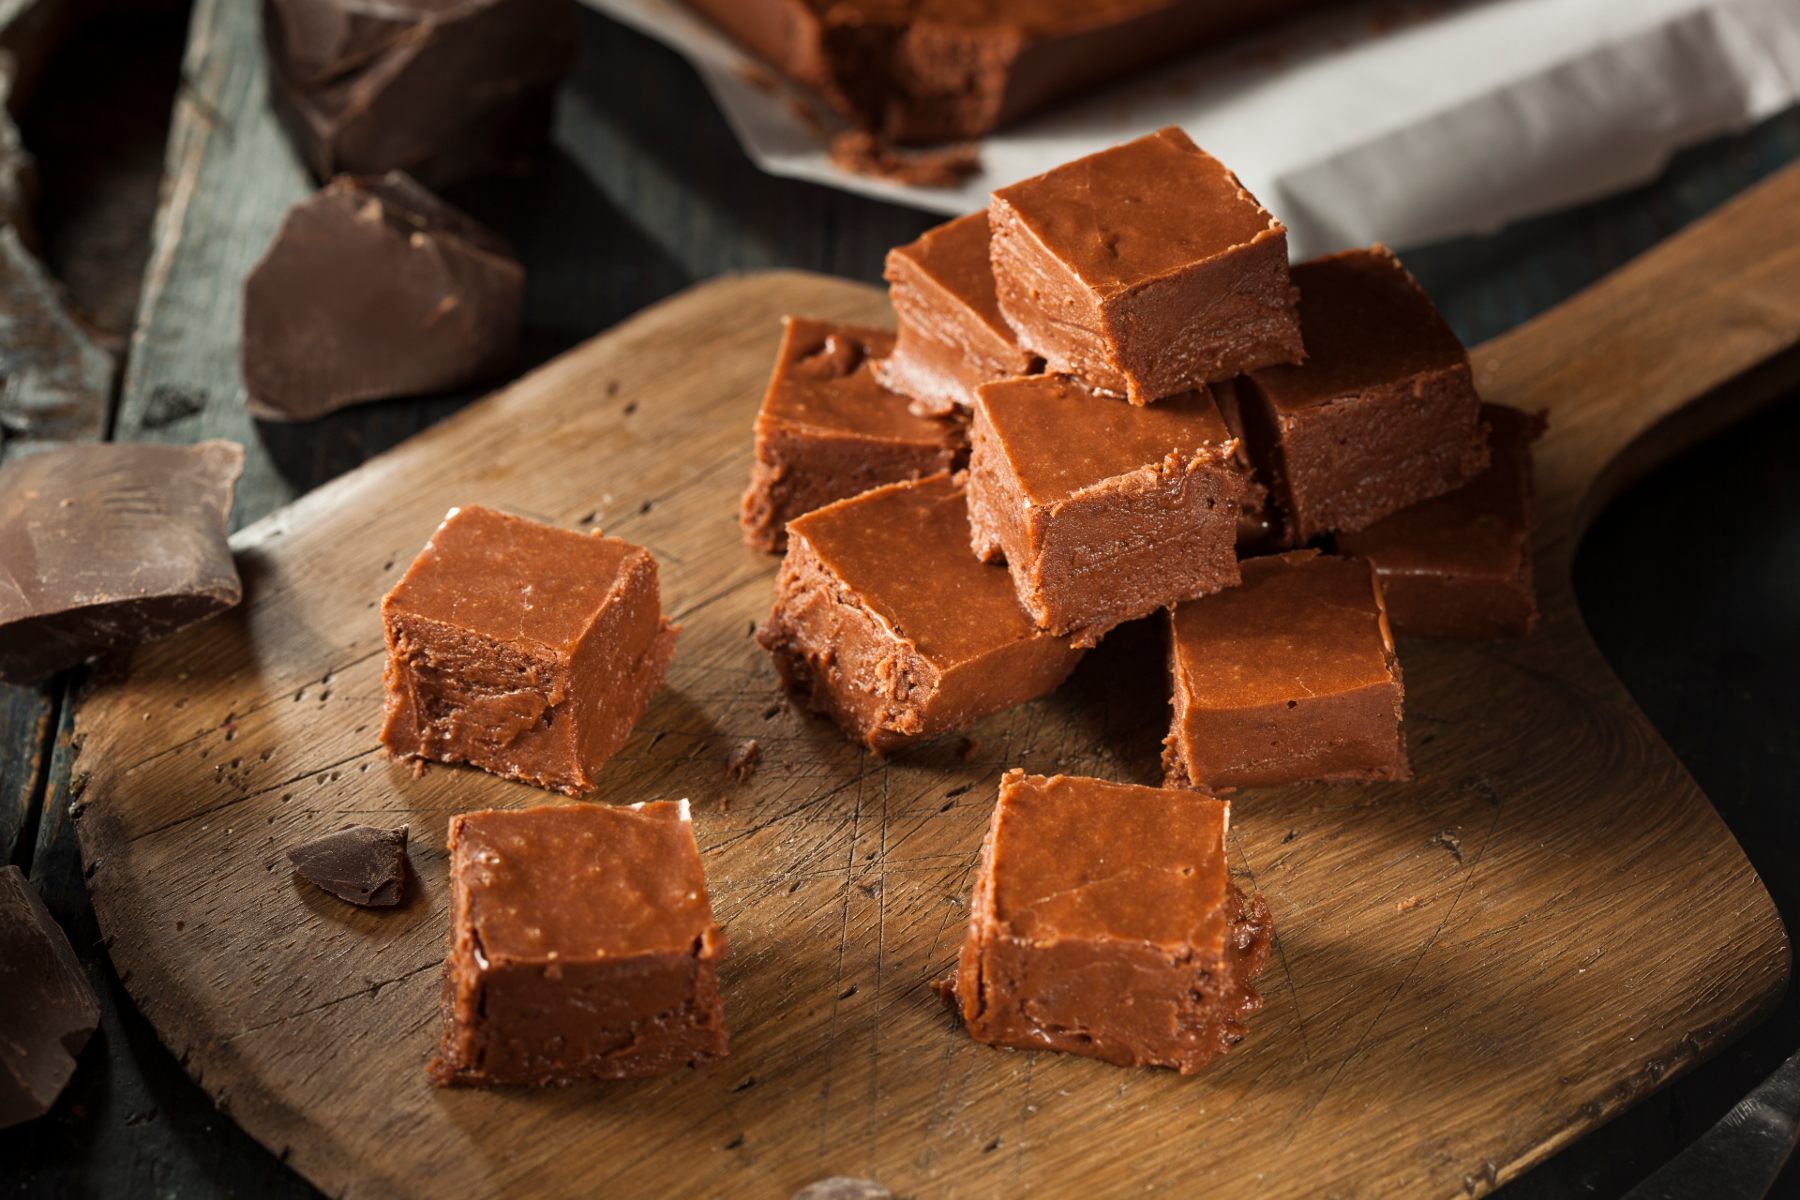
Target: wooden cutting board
[{"x": 1471, "y": 969}]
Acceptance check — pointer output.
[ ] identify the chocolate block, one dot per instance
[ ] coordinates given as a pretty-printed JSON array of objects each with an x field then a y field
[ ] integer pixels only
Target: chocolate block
[
  {"x": 828, "y": 430},
  {"x": 1104, "y": 922},
  {"x": 1104, "y": 511},
  {"x": 359, "y": 864},
  {"x": 1145, "y": 270},
  {"x": 374, "y": 288},
  {"x": 952, "y": 337},
  {"x": 1383, "y": 413},
  {"x": 103, "y": 547},
  {"x": 1459, "y": 565},
  {"x": 522, "y": 649},
  {"x": 582, "y": 946},
  {"x": 887, "y": 624},
  {"x": 48, "y": 1009},
  {"x": 1289, "y": 676},
  {"x": 926, "y": 72},
  {"x": 441, "y": 89}
]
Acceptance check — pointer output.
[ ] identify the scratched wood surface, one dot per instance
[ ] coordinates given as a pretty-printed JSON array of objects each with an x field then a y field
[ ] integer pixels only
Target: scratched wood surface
[{"x": 1472, "y": 968}]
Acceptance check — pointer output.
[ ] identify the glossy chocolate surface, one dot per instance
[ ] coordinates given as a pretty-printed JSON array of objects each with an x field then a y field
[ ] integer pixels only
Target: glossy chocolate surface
[
  {"x": 1104, "y": 922},
  {"x": 442, "y": 89},
  {"x": 1381, "y": 415},
  {"x": 1103, "y": 511},
  {"x": 582, "y": 946},
  {"x": 952, "y": 337},
  {"x": 1145, "y": 270},
  {"x": 1459, "y": 565},
  {"x": 106, "y": 546},
  {"x": 828, "y": 430},
  {"x": 886, "y": 622},
  {"x": 48, "y": 1009},
  {"x": 1290, "y": 676},
  {"x": 373, "y": 288},
  {"x": 521, "y": 648}
]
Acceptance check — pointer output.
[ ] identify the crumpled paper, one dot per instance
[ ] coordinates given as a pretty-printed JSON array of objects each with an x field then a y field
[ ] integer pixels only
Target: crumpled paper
[{"x": 1364, "y": 123}]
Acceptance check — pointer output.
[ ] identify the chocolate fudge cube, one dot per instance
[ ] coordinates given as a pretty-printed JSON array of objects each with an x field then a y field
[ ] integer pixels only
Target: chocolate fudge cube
[
  {"x": 828, "y": 430},
  {"x": 1104, "y": 922},
  {"x": 523, "y": 649},
  {"x": 1104, "y": 511},
  {"x": 887, "y": 624},
  {"x": 1383, "y": 412},
  {"x": 1289, "y": 676},
  {"x": 582, "y": 946},
  {"x": 952, "y": 337},
  {"x": 1145, "y": 270},
  {"x": 1459, "y": 565}
]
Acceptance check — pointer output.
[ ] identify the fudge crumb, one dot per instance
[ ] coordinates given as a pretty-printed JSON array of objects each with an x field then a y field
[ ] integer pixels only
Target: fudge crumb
[
  {"x": 1407, "y": 905},
  {"x": 743, "y": 761},
  {"x": 862, "y": 153}
]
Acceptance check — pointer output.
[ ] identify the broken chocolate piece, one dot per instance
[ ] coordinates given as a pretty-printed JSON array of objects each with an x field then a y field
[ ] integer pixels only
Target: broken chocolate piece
[
  {"x": 1104, "y": 922},
  {"x": 105, "y": 546},
  {"x": 48, "y": 1009},
  {"x": 523, "y": 649},
  {"x": 359, "y": 863},
  {"x": 374, "y": 287},
  {"x": 582, "y": 946},
  {"x": 744, "y": 760},
  {"x": 442, "y": 89}
]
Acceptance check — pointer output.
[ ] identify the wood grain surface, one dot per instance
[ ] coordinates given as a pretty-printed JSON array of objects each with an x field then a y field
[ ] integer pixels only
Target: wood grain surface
[{"x": 1472, "y": 968}]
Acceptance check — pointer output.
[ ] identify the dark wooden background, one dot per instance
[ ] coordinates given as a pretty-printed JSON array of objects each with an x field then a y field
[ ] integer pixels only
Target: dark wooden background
[{"x": 1688, "y": 581}]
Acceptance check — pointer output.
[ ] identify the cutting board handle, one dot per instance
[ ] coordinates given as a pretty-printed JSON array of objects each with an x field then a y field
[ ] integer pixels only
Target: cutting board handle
[{"x": 1617, "y": 364}]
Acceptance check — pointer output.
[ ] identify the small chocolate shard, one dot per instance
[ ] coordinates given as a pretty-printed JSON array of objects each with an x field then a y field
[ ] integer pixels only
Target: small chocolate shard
[
  {"x": 359, "y": 863},
  {"x": 105, "y": 546},
  {"x": 443, "y": 89},
  {"x": 744, "y": 760},
  {"x": 843, "y": 1187},
  {"x": 374, "y": 288},
  {"x": 48, "y": 1009}
]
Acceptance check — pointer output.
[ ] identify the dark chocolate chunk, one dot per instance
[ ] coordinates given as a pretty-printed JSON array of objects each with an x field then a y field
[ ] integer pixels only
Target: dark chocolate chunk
[
  {"x": 443, "y": 89},
  {"x": 744, "y": 760},
  {"x": 358, "y": 863},
  {"x": 372, "y": 288},
  {"x": 106, "y": 546},
  {"x": 47, "y": 1007}
]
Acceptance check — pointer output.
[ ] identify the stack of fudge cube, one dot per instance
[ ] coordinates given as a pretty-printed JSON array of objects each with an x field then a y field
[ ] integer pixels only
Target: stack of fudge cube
[{"x": 1109, "y": 397}]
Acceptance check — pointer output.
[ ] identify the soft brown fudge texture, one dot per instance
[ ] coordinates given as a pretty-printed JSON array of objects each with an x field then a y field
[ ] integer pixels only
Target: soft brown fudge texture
[
  {"x": 1104, "y": 922},
  {"x": 936, "y": 70},
  {"x": 1145, "y": 270},
  {"x": 1290, "y": 676},
  {"x": 1383, "y": 413},
  {"x": 1103, "y": 511},
  {"x": 887, "y": 624},
  {"x": 582, "y": 946},
  {"x": 524, "y": 649},
  {"x": 1459, "y": 565},
  {"x": 952, "y": 337},
  {"x": 828, "y": 430}
]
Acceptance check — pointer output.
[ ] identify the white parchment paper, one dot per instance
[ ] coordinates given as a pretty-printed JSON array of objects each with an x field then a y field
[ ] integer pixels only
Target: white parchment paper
[{"x": 1363, "y": 124}]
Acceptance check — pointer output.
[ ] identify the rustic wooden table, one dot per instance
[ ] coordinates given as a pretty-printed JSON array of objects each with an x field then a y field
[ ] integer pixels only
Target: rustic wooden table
[{"x": 647, "y": 192}]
